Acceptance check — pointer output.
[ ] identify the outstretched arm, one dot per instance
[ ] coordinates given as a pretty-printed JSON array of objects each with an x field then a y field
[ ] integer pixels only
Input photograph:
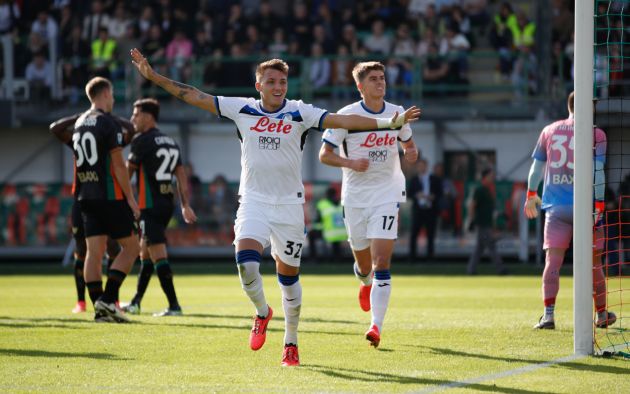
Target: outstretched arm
[
  {"x": 182, "y": 91},
  {"x": 328, "y": 156},
  {"x": 62, "y": 128},
  {"x": 358, "y": 122}
]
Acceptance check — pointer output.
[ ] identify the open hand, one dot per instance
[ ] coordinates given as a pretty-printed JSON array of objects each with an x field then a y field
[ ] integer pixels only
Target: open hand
[
  {"x": 189, "y": 214},
  {"x": 531, "y": 206},
  {"x": 141, "y": 63}
]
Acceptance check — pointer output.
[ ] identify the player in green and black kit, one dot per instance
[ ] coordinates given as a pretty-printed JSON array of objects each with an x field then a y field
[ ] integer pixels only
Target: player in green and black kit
[
  {"x": 156, "y": 158},
  {"x": 63, "y": 129},
  {"x": 107, "y": 204}
]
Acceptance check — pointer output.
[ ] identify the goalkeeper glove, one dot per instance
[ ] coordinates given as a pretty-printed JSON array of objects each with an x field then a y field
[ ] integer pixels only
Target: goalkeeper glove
[
  {"x": 395, "y": 122},
  {"x": 598, "y": 215},
  {"x": 531, "y": 204}
]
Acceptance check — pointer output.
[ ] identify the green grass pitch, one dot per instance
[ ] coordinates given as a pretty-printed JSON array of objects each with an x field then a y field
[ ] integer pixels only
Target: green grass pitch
[{"x": 441, "y": 328}]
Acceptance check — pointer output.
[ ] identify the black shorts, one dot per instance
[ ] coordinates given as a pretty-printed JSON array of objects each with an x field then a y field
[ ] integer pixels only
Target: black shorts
[
  {"x": 153, "y": 223},
  {"x": 78, "y": 231},
  {"x": 107, "y": 217}
]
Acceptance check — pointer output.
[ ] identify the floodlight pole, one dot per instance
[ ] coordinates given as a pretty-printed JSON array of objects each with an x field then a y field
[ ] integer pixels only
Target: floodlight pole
[{"x": 583, "y": 180}]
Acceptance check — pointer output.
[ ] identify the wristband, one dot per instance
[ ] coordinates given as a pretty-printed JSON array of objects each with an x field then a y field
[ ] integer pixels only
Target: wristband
[
  {"x": 531, "y": 194},
  {"x": 383, "y": 123}
]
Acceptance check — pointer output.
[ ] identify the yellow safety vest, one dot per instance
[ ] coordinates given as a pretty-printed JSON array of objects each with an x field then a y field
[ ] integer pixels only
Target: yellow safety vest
[
  {"x": 103, "y": 53},
  {"x": 333, "y": 229}
]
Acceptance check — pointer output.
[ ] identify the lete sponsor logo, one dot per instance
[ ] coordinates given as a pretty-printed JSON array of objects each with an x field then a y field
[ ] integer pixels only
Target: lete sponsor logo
[
  {"x": 265, "y": 124},
  {"x": 373, "y": 140}
]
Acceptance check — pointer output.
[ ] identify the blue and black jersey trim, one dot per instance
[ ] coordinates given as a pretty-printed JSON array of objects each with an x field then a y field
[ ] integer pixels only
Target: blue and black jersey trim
[
  {"x": 296, "y": 116},
  {"x": 370, "y": 131},
  {"x": 284, "y": 103},
  {"x": 321, "y": 121},
  {"x": 216, "y": 105},
  {"x": 372, "y": 112},
  {"x": 329, "y": 143}
]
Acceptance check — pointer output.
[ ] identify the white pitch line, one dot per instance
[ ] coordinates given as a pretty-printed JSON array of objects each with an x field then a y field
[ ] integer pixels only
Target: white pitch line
[{"x": 499, "y": 375}]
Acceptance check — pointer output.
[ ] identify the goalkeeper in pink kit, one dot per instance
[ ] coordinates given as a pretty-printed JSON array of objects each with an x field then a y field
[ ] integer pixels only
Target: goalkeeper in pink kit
[{"x": 553, "y": 160}]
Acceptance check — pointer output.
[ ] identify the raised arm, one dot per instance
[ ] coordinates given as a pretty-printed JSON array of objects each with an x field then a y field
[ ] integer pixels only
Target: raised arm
[
  {"x": 358, "y": 122},
  {"x": 182, "y": 189},
  {"x": 62, "y": 128},
  {"x": 328, "y": 156},
  {"x": 182, "y": 91}
]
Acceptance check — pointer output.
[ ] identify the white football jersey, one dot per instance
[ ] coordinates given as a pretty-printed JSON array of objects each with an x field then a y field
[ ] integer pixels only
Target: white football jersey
[
  {"x": 271, "y": 147},
  {"x": 383, "y": 181}
]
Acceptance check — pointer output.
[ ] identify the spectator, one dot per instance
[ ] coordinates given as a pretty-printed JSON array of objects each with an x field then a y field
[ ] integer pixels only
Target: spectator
[
  {"x": 417, "y": 8},
  {"x": 435, "y": 72},
  {"x": 235, "y": 21},
  {"x": 39, "y": 75},
  {"x": 378, "y": 42},
  {"x": 425, "y": 43},
  {"x": 404, "y": 44},
  {"x": 319, "y": 68},
  {"x": 425, "y": 190},
  {"x": 525, "y": 72},
  {"x": 48, "y": 29},
  {"x": 118, "y": 24},
  {"x": 460, "y": 22},
  {"x": 330, "y": 222},
  {"x": 67, "y": 21},
  {"x": 278, "y": 46},
  {"x": 240, "y": 72},
  {"x": 341, "y": 71},
  {"x": 253, "y": 45},
  {"x": 202, "y": 47},
  {"x": 146, "y": 21},
  {"x": 221, "y": 203},
  {"x": 75, "y": 52},
  {"x": 523, "y": 32},
  {"x": 93, "y": 22},
  {"x": 181, "y": 20},
  {"x": 300, "y": 28},
  {"x": 349, "y": 39},
  {"x": 266, "y": 21},
  {"x": 477, "y": 10},
  {"x": 167, "y": 24},
  {"x": 206, "y": 24},
  {"x": 562, "y": 22},
  {"x": 213, "y": 75},
  {"x": 320, "y": 37},
  {"x": 431, "y": 21},
  {"x": 501, "y": 37},
  {"x": 103, "y": 59},
  {"x": 153, "y": 46},
  {"x": 178, "y": 54},
  {"x": 482, "y": 208},
  {"x": 9, "y": 16},
  {"x": 454, "y": 47}
]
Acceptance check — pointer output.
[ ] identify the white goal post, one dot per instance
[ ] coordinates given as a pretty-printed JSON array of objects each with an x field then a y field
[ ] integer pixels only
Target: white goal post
[{"x": 583, "y": 179}]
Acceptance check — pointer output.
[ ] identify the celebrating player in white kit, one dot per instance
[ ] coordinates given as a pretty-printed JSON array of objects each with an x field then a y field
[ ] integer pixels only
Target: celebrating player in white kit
[
  {"x": 272, "y": 132},
  {"x": 372, "y": 189}
]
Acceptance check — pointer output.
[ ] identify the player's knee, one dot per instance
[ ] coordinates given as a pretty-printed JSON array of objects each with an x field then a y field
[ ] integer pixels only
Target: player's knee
[
  {"x": 380, "y": 262},
  {"x": 248, "y": 262}
]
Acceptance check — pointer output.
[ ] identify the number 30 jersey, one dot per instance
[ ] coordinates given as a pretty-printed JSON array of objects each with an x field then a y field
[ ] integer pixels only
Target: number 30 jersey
[
  {"x": 555, "y": 146},
  {"x": 157, "y": 156},
  {"x": 96, "y": 133}
]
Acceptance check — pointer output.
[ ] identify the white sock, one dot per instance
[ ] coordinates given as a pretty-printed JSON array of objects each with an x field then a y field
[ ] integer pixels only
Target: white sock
[
  {"x": 251, "y": 282},
  {"x": 292, "y": 303},
  {"x": 366, "y": 280},
  {"x": 379, "y": 296}
]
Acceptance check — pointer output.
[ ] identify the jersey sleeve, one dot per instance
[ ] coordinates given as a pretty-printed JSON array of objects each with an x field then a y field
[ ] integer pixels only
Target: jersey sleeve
[
  {"x": 540, "y": 151},
  {"x": 405, "y": 133},
  {"x": 114, "y": 135},
  {"x": 179, "y": 156},
  {"x": 312, "y": 116},
  {"x": 135, "y": 153},
  {"x": 229, "y": 107},
  {"x": 334, "y": 137}
]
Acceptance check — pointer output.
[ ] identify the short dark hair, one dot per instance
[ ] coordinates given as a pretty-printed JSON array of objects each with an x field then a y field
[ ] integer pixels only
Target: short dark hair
[
  {"x": 96, "y": 86},
  {"x": 150, "y": 106}
]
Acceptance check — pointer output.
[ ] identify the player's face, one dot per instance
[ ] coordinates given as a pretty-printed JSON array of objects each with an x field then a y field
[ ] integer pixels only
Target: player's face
[
  {"x": 373, "y": 85},
  {"x": 138, "y": 118},
  {"x": 273, "y": 88}
]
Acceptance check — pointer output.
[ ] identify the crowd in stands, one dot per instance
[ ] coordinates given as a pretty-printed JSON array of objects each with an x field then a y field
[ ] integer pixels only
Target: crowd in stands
[{"x": 86, "y": 38}]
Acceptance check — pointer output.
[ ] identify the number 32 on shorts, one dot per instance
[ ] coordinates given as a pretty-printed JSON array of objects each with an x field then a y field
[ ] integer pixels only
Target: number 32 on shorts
[{"x": 293, "y": 249}]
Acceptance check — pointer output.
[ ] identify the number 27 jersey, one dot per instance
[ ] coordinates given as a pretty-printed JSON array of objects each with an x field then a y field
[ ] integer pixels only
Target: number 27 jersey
[{"x": 555, "y": 147}]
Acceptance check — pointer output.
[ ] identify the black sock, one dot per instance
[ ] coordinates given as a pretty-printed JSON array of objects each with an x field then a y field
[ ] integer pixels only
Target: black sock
[
  {"x": 95, "y": 290},
  {"x": 79, "y": 281},
  {"x": 166, "y": 281},
  {"x": 144, "y": 276},
  {"x": 110, "y": 261},
  {"x": 115, "y": 278}
]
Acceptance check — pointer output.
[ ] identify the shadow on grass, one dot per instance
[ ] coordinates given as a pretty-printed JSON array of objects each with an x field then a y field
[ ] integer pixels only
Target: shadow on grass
[
  {"x": 380, "y": 377},
  {"x": 41, "y": 322},
  {"x": 49, "y": 354},
  {"x": 570, "y": 364},
  {"x": 242, "y": 317}
]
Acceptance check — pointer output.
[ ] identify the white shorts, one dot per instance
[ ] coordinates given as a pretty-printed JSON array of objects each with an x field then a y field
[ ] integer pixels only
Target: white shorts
[
  {"x": 364, "y": 224},
  {"x": 281, "y": 226}
]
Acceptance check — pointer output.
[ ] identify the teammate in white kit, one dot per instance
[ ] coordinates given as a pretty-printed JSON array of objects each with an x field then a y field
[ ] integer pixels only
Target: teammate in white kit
[
  {"x": 372, "y": 189},
  {"x": 272, "y": 132}
]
